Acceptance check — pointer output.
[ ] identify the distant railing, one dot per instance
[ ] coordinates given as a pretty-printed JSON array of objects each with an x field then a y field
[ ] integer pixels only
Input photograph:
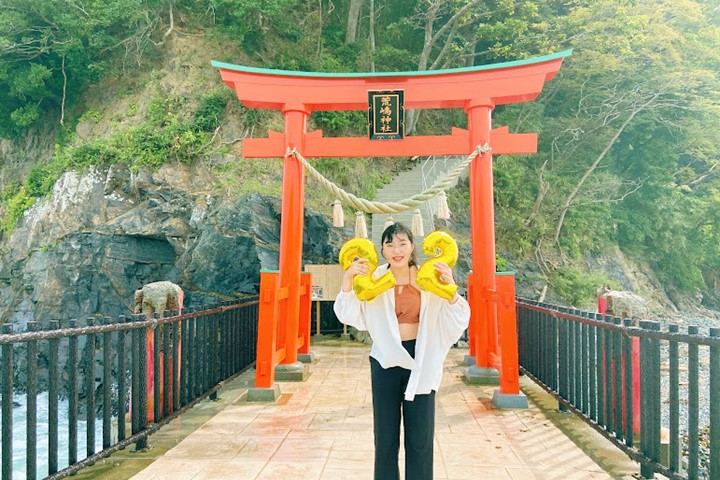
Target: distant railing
[
  {"x": 100, "y": 371},
  {"x": 585, "y": 360}
]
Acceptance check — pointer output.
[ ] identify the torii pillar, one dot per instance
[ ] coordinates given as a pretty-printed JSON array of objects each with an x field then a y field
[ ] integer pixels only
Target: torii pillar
[{"x": 477, "y": 90}]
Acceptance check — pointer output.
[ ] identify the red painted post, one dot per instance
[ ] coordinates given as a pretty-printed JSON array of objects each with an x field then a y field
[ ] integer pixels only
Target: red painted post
[
  {"x": 482, "y": 232},
  {"x": 267, "y": 329},
  {"x": 472, "y": 326},
  {"x": 602, "y": 305},
  {"x": 150, "y": 373},
  {"x": 291, "y": 225},
  {"x": 636, "y": 384},
  {"x": 305, "y": 308},
  {"x": 507, "y": 322},
  {"x": 635, "y": 352}
]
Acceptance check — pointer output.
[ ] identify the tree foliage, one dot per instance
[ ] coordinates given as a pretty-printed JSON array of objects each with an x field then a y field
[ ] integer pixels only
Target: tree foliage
[{"x": 628, "y": 151}]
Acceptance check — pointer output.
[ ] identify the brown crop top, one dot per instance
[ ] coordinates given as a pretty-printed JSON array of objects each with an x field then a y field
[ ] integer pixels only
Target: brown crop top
[{"x": 407, "y": 304}]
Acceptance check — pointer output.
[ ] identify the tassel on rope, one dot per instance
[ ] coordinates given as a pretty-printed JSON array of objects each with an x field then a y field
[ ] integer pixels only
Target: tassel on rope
[
  {"x": 443, "y": 211},
  {"x": 388, "y": 221},
  {"x": 338, "y": 214},
  {"x": 360, "y": 226},
  {"x": 417, "y": 224}
]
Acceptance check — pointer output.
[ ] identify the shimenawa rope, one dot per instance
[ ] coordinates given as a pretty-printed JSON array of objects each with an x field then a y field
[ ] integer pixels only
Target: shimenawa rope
[{"x": 369, "y": 206}]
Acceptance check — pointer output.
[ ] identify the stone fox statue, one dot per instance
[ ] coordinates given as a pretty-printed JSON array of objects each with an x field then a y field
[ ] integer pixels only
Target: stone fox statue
[{"x": 157, "y": 297}]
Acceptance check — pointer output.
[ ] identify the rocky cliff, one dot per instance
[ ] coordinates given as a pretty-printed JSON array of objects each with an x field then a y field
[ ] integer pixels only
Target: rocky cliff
[{"x": 84, "y": 250}]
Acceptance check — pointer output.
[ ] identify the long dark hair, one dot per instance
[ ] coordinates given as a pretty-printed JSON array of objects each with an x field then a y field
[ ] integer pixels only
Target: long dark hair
[{"x": 390, "y": 233}]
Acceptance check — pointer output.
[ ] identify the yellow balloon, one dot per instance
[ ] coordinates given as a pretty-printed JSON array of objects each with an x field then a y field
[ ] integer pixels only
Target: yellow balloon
[
  {"x": 365, "y": 287},
  {"x": 445, "y": 249}
]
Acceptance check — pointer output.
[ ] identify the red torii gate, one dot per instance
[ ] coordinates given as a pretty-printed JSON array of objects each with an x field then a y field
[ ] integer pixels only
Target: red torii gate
[{"x": 475, "y": 89}]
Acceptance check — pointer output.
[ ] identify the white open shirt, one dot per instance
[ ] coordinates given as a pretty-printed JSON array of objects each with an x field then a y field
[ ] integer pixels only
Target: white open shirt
[{"x": 441, "y": 325}]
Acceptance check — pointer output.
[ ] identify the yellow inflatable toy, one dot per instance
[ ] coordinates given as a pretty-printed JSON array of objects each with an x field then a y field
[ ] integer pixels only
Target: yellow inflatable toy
[
  {"x": 365, "y": 287},
  {"x": 445, "y": 249}
]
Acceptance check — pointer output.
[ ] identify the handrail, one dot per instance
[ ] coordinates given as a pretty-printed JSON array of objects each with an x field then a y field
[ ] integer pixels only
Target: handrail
[
  {"x": 173, "y": 362},
  {"x": 596, "y": 365}
]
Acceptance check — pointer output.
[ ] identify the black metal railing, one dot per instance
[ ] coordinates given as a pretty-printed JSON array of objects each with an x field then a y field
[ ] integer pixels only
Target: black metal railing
[
  {"x": 98, "y": 370},
  {"x": 625, "y": 381}
]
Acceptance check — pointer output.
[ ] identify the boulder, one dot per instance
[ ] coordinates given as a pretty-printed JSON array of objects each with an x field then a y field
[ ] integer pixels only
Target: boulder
[{"x": 624, "y": 304}]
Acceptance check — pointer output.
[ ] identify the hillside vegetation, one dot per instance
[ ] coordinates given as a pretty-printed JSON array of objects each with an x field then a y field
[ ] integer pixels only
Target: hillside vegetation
[{"x": 628, "y": 154}]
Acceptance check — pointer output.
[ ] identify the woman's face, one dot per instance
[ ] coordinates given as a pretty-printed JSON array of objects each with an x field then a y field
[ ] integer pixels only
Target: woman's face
[{"x": 398, "y": 250}]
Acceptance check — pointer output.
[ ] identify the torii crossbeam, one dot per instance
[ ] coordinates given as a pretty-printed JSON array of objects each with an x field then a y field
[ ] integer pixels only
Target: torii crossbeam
[{"x": 477, "y": 90}]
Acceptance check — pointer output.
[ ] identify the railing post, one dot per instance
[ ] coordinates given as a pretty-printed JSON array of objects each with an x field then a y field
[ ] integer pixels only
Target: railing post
[
  {"x": 7, "y": 404},
  {"x": 90, "y": 391},
  {"x": 121, "y": 345},
  {"x": 693, "y": 405},
  {"x": 31, "y": 418},
  {"x": 154, "y": 378},
  {"x": 472, "y": 325},
  {"x": 212, "y": 356},
  {"x": 577, "y": 360},
  {"x": 107, "y": 387},
  {"x": 140, "y": 370},
  {"x": 304, "y": 354},
  {"x": 618, "y": 382},
  {"x": 674, "y": 380},
  {"x": 592, "y": 370},
  {"x": 629, "y": 393},
  {"x": 135, "y": 379},
  {"x": 562, "y": 361},
  {"x": 176, "y": 359},
  {"x": 650, "y": 397},
  {"x": 585, "y": 366},
  {"x": 714, "y": 407},
  {"x": 53, "y": 395},
  {"x": 187, "y": 372},
  {"x": 600, "y": 370}
]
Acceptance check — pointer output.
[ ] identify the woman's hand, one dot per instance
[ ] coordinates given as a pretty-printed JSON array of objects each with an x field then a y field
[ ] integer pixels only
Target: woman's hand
[
  {"x": 444, "y": 273},
  {"x": 446, "y": 276},
  {"x": 358, "y": 267}
]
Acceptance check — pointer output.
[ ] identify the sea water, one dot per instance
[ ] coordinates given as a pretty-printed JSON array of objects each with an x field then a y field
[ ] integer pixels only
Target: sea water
[{"x": 19, "y": 440}]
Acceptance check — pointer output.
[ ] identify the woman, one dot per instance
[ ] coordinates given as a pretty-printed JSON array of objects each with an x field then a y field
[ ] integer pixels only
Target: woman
[{"x": 412, "y": 331}]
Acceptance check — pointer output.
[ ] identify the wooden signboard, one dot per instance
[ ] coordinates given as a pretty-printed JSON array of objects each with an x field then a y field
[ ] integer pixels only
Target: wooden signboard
[{"x": 326, "y": 281}]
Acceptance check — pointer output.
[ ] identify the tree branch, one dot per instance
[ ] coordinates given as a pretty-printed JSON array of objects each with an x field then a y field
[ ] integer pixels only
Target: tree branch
[
  {"x": 591, "y": 169},
  {"x": 64, "y": 94},
  {"x": 612, "y": 200}
]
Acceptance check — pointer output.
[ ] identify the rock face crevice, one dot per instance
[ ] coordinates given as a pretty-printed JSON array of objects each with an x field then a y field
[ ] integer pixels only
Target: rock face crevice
[{"x": 101, "y": 235}]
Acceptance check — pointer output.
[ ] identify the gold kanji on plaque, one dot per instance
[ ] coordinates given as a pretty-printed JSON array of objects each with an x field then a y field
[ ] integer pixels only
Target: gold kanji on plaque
[{"x": 386, "y": 114}]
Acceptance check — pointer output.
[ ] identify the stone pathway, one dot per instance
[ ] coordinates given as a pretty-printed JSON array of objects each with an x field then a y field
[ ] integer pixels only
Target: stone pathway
[{"x": 322, "y": 429}]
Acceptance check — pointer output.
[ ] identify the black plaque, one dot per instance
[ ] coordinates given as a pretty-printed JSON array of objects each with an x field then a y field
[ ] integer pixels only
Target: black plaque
[{"x": 386, "y": 114}]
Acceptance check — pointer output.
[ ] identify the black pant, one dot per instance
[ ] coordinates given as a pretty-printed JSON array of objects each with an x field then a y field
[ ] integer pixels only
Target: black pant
[{"x": 389, "y": 405}]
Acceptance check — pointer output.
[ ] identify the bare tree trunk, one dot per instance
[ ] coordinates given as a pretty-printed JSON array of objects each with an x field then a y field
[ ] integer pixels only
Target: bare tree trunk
[
  {"x": 372, "y": 35},
  {"x": 320, "y": 25},
  {"x": 543, "y": 189},
  {"x": 353, "y": 20},
  {"x": 570, "y": 198},
  {"x": 543, "y": 292},
  {"x": 64, "y": 95},
  {"x": 470, "y": 60},
  {"x": 447, "y": 31}
]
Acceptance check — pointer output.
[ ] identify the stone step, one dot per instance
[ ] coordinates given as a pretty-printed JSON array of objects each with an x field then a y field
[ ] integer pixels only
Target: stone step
[{"x": 405, "y": 185}]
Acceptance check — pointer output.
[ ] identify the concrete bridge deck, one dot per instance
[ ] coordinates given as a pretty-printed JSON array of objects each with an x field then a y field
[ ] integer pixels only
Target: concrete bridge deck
[{"x": 322, "y": 429}]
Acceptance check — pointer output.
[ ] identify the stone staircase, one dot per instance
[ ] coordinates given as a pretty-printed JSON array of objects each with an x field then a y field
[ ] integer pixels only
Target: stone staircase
[{"x": 407, "y": 184}]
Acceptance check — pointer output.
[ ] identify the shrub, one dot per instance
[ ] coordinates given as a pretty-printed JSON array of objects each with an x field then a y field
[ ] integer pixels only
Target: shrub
[{"x": 576, "y": 287}]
